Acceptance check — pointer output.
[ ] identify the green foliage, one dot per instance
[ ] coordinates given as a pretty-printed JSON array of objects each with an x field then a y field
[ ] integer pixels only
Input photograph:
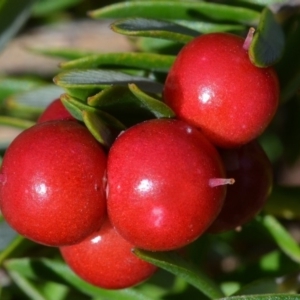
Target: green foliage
[{"x": 110, "y": 92}]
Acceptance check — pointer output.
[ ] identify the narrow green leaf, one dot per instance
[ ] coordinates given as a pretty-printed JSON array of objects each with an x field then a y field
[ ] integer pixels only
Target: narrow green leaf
[
  {"x": 282, "y": 238},
  {"x": 120, "y": 102},
  {"x": 174, "y": 263},
  {"x": 155, "y": 29},
  {"x": 16, "y": 122},
  {"x": 26, "y": 286},
  {"x": 50, "y": 270},
  {"x": 77, "y": 107},
  {"x": 34, "y": 100},
  {"x": 65, "y": 53},
  {"x": 90, "y": 78},
  {"x": 178, "y": 10},
  {"x": 13, "y": 14},
  {"x": 11, "y": 85},
  {"x": 157, "y": 107},
  {"x": 99, "y": 129},
  {"x": 268, "y": 41},
  {"x": 146, "y": 61},
  {"x": 263, "y": 297},
  {"x": 285, "y": 284},
  {"x": 284, "y": 202},
  {"x": 45, "y": 7}
]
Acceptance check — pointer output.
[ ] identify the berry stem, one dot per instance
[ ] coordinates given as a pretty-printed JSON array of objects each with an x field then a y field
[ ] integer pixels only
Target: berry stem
[
  {"x": 213, "y": 182},
  {"x": 249, "y": 38}
]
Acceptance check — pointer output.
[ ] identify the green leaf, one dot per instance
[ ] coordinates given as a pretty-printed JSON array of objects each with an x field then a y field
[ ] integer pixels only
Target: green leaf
[
  {"x": 90, "y": 79},
  {"x": 13, "y": 14},
  {"x": 284, "y": 202},
  {"x": 146, "y": 61},
  {"x": 284, "y": 284},
  {"x": 99, "y": 129},
  {"x": 45, "y": 7},
  {"x": 268, "y": 41},
  {"x": 157, "y": 107},
  {"x": 155, "y": 29},
  {"x": 65, "y": 53},
  {"x": 174, "y": 263},
  {"x": 263, "y": 297},
  {"x": 15, "y": 122},
  {"x": 178, "y": 10},
  {"x": 11, "y": 85},
  {"x": 51, "y": 270},
  {"x": 264, "y": 2},
  {"x": 26, "y": 286},
  {"x": 281, "y": 237},
  {"x": 76, "y": 107}
]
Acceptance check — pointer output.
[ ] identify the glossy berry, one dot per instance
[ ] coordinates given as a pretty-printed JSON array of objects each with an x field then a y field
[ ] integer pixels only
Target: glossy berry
[
  {"x": 252, "y": 170},
  {"x": 105, "y": 259},
  {"x": 55, "y": 111},
  {"x": 214, "y": 86},
  {"x": 52, "y": 183},
  {"x": 160, "y": 184}
]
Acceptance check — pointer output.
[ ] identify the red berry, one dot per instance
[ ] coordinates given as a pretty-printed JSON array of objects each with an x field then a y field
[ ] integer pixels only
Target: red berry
[
  {"x": 214, "y": 86},
  {"x": 105, "y": 260},
  {"x": 159, "y": 193},
  {"x": 252, "y": 170},
  {"x": 52, "y": 183},
  {"x": 55, "y": 111}
]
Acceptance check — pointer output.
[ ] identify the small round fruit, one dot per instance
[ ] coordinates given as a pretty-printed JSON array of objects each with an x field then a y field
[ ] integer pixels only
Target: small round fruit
[
  {"x": 160, "y": 184},
  {"x": 52, "y": 183},
  {"x": 213, "y": 85},
  {"x": 252, "y": 170},
  {"x": 55, "y": 111},
  {"x": 105, "y": 260}
]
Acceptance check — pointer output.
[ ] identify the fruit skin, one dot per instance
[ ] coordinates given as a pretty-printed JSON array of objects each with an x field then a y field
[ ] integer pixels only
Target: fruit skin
[
  {"x": 105, "y": 260},
  {"x": 252, "y": 170},
  {"x": 55, "y": 111},
  {"x": 52, "y": 187},
  {"x": 213, "y": 85},
  {"x": 158, "y": 172}
]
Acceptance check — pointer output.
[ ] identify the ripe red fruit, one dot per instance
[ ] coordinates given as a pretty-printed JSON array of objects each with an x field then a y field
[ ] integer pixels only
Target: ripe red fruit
[
  {"x": 252, "y": 170},
  {"x": 214, "y": 86},
  {"x": 160, "y": 177},
  {"x": 52, "y": 183},
  {"x": 105, "y": 260},
  {"x": 55, "y": 111}
]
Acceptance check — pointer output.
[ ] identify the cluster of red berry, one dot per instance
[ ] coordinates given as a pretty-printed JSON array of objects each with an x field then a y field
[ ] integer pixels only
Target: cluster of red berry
[{"x": 162, "y": 184}]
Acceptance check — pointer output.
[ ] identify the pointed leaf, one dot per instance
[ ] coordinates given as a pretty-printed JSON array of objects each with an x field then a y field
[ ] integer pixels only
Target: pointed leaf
[
  {"x": 268, "y": 42},
  {"x": 78, "y": 106},
  {"x": 120, "y": 102},
  {"x": 51, "y": 270},
  {"x": 284, "y": 284},
  {"x": 175, "y": 264},
  {"x": 16, "y": 122},
  {"x": 90, "y": 78},
  {"x": 178, "y": 10},
  {"x": 26, "y": 286},
  {"x": 99, "y": 129},
  {"x": 281, "y": 236},
  {"x": 13, "y": 14},
  {"x": 45, "y": 7},
  {"x": 155, "y": 29},
  {"x": 157, "y": 107},
  {"x": 146, "y": 61},
  {"x": 65, "y": 53}
]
